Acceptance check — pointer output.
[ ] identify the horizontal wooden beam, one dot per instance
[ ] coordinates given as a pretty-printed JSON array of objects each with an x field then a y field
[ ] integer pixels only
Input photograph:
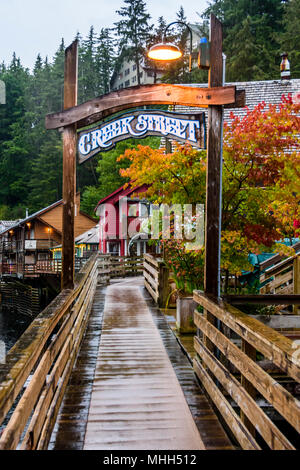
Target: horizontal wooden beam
[
  {"x": 282, "y": 400},
  {"x": 262, "y": 423},
  {"x": 266, "y": 299},
  {"x": 273, "y": 345},
  {"x": 94, "y": 110},
  {"x": 233, "y": 421}
]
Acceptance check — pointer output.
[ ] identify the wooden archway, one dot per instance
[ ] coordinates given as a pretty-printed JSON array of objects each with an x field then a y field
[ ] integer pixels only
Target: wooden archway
[{"x": 214, "y": 98}]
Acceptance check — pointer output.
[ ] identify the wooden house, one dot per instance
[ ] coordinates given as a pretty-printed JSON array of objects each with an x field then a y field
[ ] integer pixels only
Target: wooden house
[
  {"x": 30, "y": 240},
  {"x": 122, "y": 208}
]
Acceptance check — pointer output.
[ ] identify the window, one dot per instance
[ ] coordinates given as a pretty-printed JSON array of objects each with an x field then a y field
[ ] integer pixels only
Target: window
[
  {"x": 113, "y": 248},
  {"x": 127, "y": 83},
  {"x": 134, "y": 67},
  {"x": 133, "y": 79},
  {"x": 149, "y": 74},
  {"x": 121, "y": 86},
  {"x": 127, "y": 72}
]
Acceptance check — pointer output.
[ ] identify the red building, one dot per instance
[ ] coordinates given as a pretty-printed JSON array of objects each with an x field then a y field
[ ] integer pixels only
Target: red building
[{"x": 121, "y": 214}]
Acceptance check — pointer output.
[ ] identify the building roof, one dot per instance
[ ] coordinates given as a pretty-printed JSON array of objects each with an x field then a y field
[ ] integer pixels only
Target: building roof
[
  {"x": 37, "y": 214},
  {"x": 89, "y": 237},
  {"x": 119, "y": 193},
  {"x": 6, "y": 224}
]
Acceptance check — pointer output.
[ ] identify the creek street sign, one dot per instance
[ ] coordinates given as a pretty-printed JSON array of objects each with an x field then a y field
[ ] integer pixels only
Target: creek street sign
[{"x": 139, "y": 124}]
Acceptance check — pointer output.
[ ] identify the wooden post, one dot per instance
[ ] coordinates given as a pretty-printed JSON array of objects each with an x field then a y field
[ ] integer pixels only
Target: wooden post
[
  {"x": 251, "y": 352},
  {"x": 296, "y": 280},
  {"x": 69, "y": 169},
  {"x": 214, "y": 173},
  {"x": 214, "y": 166}
]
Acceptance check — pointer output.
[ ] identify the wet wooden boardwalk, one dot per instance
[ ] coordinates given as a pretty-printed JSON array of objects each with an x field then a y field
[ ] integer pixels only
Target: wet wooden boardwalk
[{"x": 139, "y": 390}]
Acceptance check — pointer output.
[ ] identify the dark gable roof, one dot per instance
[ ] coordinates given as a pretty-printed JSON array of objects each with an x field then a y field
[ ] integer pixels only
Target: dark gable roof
[
  {"x": 119, "y": 193},
  {"x": 39, "y": 213}
]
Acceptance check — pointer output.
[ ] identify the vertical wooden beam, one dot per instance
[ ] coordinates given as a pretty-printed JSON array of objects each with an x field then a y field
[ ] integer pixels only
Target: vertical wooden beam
[
  {"x": 251, "y": 353},
  {"x": 213, "y": 174},
  {"x": 69, "y": 169},
  {"x": 296, "y": 280},
  {"x": 214, "y": 166}
]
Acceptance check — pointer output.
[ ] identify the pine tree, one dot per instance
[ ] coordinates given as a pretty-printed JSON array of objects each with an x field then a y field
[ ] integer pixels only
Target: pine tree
[
  {"x": 289, "y": 38},
  {"x": 250, "y": 40},
  {"x": 133, "y": 31},
  {"x": 105, "y": 59}
]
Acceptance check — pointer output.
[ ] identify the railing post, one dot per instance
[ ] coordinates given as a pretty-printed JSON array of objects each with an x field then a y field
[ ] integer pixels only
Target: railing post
[
  {"x": 163, "y": 285},
  {"x": 251, "y": 353},
  {"x": 296, "y": 277}
]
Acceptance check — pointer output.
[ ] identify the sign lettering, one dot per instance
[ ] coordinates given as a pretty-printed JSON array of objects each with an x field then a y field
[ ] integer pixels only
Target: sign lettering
[{"x": 139, "y": 124}]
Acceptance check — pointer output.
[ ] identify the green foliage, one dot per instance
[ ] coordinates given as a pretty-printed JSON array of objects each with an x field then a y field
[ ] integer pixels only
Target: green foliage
[
  {"x": 250, "y": 37},
  {"x": 289, "y": 37},
  {"x": 133, "y": 31},
  {"x": 108, "y": 171}
]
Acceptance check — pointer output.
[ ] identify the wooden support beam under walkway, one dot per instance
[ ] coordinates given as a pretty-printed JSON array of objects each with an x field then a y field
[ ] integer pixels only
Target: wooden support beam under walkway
[{"x": 137, "y": 399}]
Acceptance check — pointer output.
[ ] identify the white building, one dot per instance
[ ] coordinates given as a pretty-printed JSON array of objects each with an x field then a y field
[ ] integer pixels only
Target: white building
[{"x": 126, "y": 75}]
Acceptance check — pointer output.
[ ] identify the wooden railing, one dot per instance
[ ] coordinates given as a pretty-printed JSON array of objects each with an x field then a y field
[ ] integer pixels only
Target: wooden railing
[
  {"x": 282, "y": 278},
  {"x": 231, "y": 371},
  {"x": 112, "y": 266},
  {"x": 156, "y": 279},
  {"x": 51, "y": 266},
  {"x": 37, "y": 369},
  {"x": 121, "y": 266}
]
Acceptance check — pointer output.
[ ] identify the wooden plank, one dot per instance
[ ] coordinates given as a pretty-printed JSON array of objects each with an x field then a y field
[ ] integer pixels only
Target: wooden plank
[
  {"x": 241, "y": 433},
  {"x": 152, "y": 282},
  {"x": 23, "y": 357},
  {"x": 271, "y": 434},
  {"x": 266, "y": 299},
  {"x": 153, "y": 294},
  {"x": 69, "y": 169},
  {"x": 151, "y": 270},
  {"x": 270, "y": 343},
  {"x": 152, "y": 261},
  {"x": 296, "y": 277},
  {"x": 18, "y": 420},
  {"x": 94, "y": 110},
  {"x": 279, "y": 398},
  {"x": 250, "y": 351},
  {"x": 59, "y": 393}
]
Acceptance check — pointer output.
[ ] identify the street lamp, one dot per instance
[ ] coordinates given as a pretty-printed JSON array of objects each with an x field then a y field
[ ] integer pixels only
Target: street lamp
[{"x": 166, "y": 51}]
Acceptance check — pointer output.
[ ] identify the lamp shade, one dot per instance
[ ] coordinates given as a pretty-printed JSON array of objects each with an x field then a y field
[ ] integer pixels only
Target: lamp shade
[{"x": 164, "y": 51}]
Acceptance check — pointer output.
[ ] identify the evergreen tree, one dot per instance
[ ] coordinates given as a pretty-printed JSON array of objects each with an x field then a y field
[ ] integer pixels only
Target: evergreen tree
[
  {"x": 250, "y": 42},
  {"x": 133, "y": 31},
  {"x": 105, "y": 59},
  {"x": 289, "y": 38}
]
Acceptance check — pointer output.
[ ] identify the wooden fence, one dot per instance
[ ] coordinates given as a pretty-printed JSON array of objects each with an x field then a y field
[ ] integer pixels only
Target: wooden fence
[
  {"x": 38, "y": 367},
  {"x": 282, "y": 278},
  {"x": 156, "y": 279},
  {"x": 51, "y": 266},
  {"x": 230, "y": 346},
  {"x": 113, "y": 266}
]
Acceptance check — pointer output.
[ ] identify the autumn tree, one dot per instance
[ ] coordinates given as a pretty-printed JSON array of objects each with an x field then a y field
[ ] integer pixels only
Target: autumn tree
[{"x": 260, "y": 180}]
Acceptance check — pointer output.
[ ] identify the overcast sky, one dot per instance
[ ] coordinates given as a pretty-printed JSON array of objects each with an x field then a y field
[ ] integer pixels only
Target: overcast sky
[{"x": 29, "y": 27}]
